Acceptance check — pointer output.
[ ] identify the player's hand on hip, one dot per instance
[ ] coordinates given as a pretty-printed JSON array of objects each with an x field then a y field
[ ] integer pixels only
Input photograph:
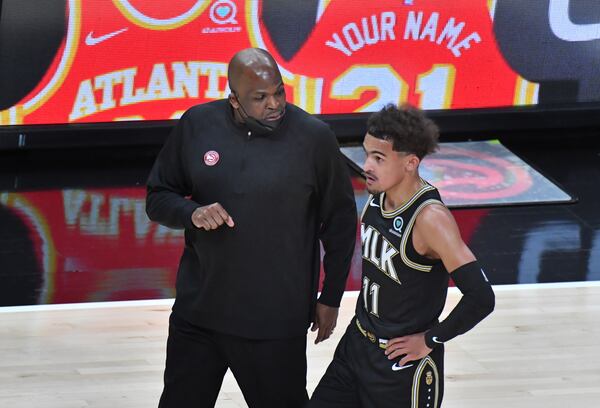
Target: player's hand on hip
[
  {"x": 211, "y": 217},
  {"x": 325, "y": 321},
  {"x": 412, "y": 347}
]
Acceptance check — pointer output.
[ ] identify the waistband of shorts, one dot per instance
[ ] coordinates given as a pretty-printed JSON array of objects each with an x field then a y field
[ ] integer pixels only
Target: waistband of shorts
[{"x": 382, "y": 343}]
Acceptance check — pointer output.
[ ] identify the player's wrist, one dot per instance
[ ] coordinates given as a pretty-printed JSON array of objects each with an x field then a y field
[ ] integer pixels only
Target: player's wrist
[
  {"x": 428, "y": 342},
  {"x": 432, "y": 339}
]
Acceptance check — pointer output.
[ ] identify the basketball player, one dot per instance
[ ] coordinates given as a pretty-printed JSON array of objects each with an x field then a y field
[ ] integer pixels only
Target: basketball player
[
  {"x": 256, "y": 182},
  {"x": 392, "y": 352}
]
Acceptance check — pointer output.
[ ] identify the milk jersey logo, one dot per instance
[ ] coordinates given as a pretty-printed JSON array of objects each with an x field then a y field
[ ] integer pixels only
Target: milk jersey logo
[
  {"x": 211, "y": 158},
  {"x": 378, "y": 250},
  {"x": 223, "y": 12}
]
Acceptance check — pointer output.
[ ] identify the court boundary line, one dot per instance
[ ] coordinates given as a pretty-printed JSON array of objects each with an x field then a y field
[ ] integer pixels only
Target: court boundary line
[{"x": 351, "y": 293}]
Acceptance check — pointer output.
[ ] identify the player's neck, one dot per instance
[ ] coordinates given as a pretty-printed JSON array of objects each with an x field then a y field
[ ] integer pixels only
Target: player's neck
[{"x": 396, "y": 196}]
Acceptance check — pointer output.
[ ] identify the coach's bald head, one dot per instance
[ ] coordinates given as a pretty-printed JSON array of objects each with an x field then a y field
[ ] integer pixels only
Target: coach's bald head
[
  {"x": 249, "y": 63},
  {"x": 256, "y": 85}
]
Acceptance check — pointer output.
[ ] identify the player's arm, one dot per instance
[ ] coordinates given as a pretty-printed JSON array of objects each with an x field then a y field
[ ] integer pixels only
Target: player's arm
[{"x": 441, "y": 237}]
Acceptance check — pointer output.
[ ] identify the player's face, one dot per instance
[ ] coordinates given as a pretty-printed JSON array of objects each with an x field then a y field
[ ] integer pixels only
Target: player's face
[
  {"x": 262, "y": 95},
  {"x": 384, "y": 168}
]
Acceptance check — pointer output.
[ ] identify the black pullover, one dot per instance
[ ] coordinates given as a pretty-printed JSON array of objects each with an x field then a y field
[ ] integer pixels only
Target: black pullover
[{"x": 285, "y": 191}]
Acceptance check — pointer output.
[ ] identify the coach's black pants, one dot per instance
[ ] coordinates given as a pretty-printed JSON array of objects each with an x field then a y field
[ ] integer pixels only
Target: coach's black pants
[{"x": 270, "y": 373}]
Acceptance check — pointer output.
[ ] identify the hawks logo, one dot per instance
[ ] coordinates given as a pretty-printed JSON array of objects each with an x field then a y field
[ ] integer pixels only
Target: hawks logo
[{"x": 211, "y": 158}]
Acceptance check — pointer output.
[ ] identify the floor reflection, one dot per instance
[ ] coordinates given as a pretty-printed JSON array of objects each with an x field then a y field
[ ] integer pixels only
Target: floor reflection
[
  {"x": 78, "y": 245},
  {"x": 68, "y": 235}
]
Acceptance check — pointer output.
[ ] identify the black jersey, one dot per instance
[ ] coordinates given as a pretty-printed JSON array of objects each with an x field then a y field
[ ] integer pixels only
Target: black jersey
[{"x": 403, "y": 292}]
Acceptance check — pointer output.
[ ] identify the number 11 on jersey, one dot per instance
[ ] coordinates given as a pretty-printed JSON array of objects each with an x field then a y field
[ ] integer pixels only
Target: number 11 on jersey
[{"x": 371, "y": 290}]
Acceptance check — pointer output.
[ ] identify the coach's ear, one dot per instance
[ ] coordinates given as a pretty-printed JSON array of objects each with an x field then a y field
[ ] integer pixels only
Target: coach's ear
[
  {"x": 233, "y": 100},
  {"x": 31, "y": 33}
]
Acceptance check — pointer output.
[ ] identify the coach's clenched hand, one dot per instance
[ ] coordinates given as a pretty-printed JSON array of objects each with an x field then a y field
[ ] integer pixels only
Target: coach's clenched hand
[
  {"x": 211, "y": 217},
  {"x": 325, "y": 321}
]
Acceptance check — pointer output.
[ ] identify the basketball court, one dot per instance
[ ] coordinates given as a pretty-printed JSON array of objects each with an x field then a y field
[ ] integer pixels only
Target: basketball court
[
  {"x": 537, "y": 350},
  {"x": 91, "y": 91}
]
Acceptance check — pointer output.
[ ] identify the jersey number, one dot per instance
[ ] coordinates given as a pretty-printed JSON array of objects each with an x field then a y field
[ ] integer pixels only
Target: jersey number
[{"x": 371, "y": 290}]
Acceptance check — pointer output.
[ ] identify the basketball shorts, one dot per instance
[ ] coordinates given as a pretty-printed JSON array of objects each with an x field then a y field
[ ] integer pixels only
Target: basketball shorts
[{"x": 361, "y": 375}]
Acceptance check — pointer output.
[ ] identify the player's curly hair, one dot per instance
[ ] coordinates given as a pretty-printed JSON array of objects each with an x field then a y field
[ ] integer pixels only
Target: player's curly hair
[{"x": 406, "y": 127}]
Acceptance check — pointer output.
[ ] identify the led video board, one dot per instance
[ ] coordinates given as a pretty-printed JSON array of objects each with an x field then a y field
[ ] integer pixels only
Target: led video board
[{"x": 91, "y": 61}]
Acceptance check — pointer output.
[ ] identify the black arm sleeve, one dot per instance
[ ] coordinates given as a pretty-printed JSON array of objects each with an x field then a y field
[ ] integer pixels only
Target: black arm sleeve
[
  {"x": 338, "y": 217},
  {"x": 477, "y": 302},
  {"x": 168, "y": 184}
]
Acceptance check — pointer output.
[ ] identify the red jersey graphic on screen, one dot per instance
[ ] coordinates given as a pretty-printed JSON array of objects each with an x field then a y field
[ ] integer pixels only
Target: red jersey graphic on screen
[
  {"x": 359, "y": 56},
  {"x": 141, "y": 60},
  {"x": 134, "y": 59}
]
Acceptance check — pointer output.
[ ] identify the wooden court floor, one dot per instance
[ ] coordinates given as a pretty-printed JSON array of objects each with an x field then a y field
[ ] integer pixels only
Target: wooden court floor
[{"x": 539, "y": 349}]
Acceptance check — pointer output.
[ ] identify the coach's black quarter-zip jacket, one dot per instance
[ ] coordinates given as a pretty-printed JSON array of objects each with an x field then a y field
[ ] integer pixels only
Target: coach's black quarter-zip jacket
[{"x": 284, "y": 190}]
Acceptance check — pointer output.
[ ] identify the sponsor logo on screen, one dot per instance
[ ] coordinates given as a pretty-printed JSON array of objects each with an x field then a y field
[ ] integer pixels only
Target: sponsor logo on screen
[{"x": 223, "y": 13}]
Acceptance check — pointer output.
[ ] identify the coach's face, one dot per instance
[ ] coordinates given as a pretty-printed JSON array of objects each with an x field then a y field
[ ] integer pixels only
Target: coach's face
[
  {"x": 262, "y": 95},
  {"x": 385, "y": 168}
]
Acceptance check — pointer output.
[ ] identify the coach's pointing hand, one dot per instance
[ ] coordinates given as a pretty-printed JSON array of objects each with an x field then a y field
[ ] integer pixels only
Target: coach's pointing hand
[
  {"x": 325, "y": 321},
  {"x": 211, "y": 217}
]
